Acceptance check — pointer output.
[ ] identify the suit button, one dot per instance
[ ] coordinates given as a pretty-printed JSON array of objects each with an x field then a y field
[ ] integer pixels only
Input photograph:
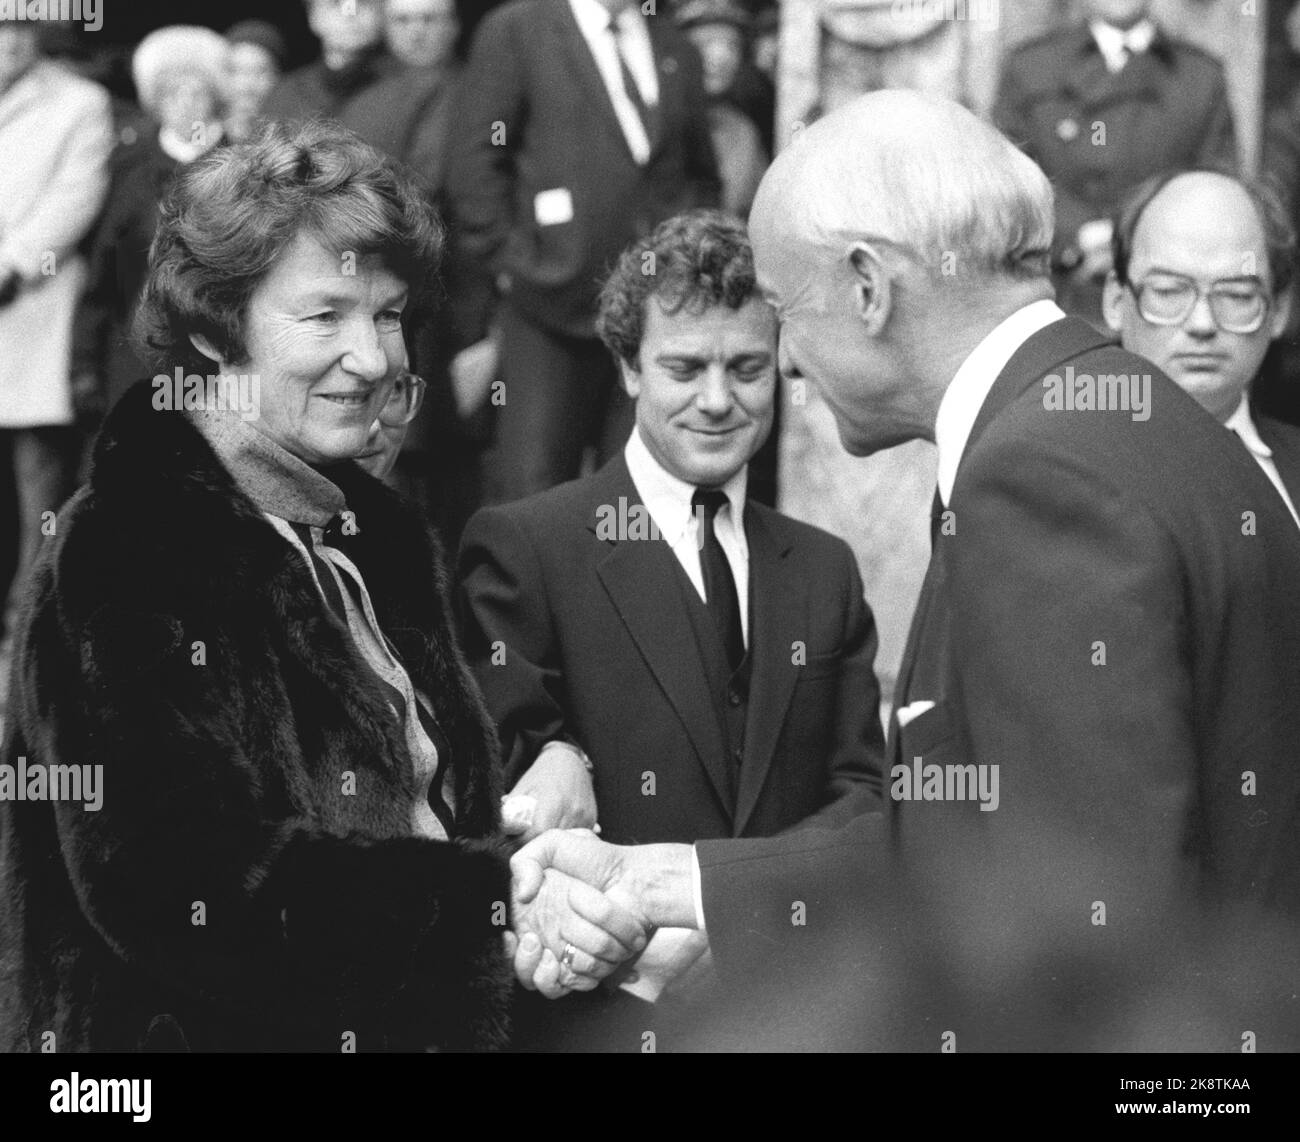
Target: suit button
[
  {"x": 733, "y": 696},
  {"x": 737, "y": 755},
  {"x": 631, "y": 977}
]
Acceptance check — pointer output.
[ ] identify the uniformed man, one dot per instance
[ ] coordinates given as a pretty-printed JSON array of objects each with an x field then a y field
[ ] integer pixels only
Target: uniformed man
[{"x": 1101, "y": 107}]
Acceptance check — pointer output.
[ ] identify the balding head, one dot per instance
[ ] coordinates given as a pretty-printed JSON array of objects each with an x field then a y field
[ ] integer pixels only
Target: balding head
[
  {"x": 924, "y": 174},
  {"x": 1202, "y": 265},
  {"x": 892, "y": 236}
]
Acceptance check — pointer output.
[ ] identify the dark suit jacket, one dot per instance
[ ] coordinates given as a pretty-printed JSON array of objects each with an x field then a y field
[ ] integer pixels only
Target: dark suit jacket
[
  {"x": 1114, "y": 623},
  {"x": 1166, "y": 108},
  {"x": 532, "y": 74},
  {"x": 599, "y": 649}
]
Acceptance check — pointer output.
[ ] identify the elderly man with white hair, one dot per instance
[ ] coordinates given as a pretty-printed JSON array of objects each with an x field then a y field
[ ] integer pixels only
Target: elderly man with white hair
[{"x": 1095, "y": 747}]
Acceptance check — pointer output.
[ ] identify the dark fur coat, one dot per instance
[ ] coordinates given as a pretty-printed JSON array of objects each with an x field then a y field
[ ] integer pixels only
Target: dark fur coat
[{"x": 225, "y": 774}]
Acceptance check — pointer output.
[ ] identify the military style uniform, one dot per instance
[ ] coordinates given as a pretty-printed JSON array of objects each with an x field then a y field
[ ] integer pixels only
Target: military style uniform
[{"x": 1099, "y": 133}]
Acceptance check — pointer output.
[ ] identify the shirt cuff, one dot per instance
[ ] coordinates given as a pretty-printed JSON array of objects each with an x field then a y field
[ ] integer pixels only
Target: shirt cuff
[{"x": 697, "y": 889}]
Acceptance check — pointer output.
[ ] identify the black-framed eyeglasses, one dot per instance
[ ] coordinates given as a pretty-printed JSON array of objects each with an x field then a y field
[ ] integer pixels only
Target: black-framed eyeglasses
[
  {"x": 1238, "y": 305},
  {"x": 404, "y": 401}
]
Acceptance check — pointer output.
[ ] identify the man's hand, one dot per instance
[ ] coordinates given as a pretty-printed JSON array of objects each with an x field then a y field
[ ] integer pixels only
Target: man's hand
[
  {"x": 652, "y": 883},
  {"x": 572, "y": 935},
  {"x": 555, "y": 793}
]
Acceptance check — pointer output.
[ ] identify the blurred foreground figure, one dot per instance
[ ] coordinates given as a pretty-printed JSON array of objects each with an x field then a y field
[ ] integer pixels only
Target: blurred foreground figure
[
  {"x": 1101, "y": 107},
  {"x": 1095, "y": 747},
  {"x": 1201, "y": 286},
  {"x": 55, "y": 136}
]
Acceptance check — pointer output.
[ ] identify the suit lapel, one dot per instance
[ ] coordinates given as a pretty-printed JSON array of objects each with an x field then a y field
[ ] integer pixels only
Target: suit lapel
[
  {"x": 778, "y": 606},
  {"x": 1286, "y": 456},
  {"x": 572, "y": 43},
  {"x": 1045, "y": 350},
  {"x": 639, "y": 577}
]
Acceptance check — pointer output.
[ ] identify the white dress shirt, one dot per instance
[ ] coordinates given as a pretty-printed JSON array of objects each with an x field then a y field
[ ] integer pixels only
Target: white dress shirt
[
  {"x": 668, "y": 500},
  {"x": 1243, "y": 425},
  {"x": 1117, "y": 45},
  {"x": 634, "y": 37},
  {"x": 970, "y": 385}
]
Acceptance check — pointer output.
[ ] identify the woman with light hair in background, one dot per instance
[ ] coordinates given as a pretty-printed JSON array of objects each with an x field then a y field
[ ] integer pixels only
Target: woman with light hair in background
[{"x": 179, "y": 75}]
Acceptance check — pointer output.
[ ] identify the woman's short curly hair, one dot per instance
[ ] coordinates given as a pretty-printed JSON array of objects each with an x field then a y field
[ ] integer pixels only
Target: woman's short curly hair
[
  {"x": 691, "y": 261},
  {"x": 228, "y": 216}
]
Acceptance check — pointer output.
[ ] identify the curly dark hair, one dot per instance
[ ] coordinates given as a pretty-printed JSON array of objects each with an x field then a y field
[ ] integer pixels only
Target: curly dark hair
[
  {"x": 228, "y": 216},
  {"x": 691, "y": 261}
]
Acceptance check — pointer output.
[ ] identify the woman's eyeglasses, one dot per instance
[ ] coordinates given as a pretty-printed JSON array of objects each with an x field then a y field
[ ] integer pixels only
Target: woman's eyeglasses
[
  {"x": 404, "y": 401},
  {"x": 1168, "y": 299}
]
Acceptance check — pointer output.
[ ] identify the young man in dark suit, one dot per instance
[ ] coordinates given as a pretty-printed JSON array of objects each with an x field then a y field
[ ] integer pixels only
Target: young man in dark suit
[
  {"x": 581, "y": 126},
  {"x": 1201, "y": 285},
  {"x": 705, "y": 659},
  {"x": 1102, "y": 106},
  {"x": 1095, "y": 750}
]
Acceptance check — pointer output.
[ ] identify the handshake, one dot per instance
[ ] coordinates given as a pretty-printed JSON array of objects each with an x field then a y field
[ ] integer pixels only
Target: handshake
[{"x": 583, "y": 909}]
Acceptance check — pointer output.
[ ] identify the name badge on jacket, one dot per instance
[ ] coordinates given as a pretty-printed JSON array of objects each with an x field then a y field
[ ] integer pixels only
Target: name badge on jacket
[{"x": 553, "y": 207}]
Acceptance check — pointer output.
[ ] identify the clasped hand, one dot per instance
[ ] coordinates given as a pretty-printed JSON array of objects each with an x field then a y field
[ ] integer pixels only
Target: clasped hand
[{"x": 571, "y": 931}]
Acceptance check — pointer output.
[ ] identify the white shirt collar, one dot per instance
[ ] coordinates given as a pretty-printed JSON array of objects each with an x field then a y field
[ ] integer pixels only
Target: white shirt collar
[
  {"x": 668, "y": 498},
  {"x": 1243, "y": 424},
  {"x": 1113, "y": 42},
  {"x": 593, "y": 17},
  {"x": 970, "y": 385}
]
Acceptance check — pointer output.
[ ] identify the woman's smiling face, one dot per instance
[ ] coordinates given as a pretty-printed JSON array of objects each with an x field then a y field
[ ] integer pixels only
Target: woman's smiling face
[{"x": 326, "y": 345}]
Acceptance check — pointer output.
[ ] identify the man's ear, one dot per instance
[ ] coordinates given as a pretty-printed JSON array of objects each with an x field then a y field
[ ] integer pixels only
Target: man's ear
[
  {"x": 630, "y": 375},
  {"x": 1280, "y": 317},
  {"x": 872, "y": 287},
  {"x": 204, "y": 346},
  {"x": 1112, "y": 302}
]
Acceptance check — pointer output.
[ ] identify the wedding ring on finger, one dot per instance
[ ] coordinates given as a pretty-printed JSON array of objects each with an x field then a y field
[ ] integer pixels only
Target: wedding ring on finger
[{"x": 567, "y": 956}]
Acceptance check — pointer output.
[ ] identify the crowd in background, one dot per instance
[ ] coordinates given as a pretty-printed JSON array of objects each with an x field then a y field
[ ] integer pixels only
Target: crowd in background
[{"x": 521, "y": 394}]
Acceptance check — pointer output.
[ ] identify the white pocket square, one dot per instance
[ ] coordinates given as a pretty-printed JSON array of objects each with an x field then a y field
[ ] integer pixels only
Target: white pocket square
[{"x": 912, "y": 711}]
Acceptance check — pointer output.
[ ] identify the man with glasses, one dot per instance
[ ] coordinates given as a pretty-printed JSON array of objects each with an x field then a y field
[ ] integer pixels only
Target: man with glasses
[
  {"x": 1203, "y": 268},
  {"x": 384, "y": 444}
]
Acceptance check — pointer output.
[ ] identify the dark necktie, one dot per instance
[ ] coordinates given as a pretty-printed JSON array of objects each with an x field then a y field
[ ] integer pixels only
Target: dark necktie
[
  {"x": 719, "y": 583},
  {"x": 648, "y": 115}
]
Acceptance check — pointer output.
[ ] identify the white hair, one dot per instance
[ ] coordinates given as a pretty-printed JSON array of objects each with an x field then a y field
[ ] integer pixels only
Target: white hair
[{"x": 923, "y": 174}]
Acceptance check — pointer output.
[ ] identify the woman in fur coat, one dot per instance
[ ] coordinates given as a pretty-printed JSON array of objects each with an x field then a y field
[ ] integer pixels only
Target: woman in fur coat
[{"x": 248, "y": 798}]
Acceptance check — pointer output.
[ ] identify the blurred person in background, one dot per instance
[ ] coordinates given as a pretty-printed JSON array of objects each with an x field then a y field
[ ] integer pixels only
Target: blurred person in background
[
  {"x": 581, "y": 125},
  {"x": 421, "y": 33},
  {"x": 352, "y": 58},
  {"x": 1201, "y": 286},
  {"x": 254, "y": 61},
  {"x": 1101, "y": 107},
  {"x": 767, "y": 40},
  {"x": 720, "y": 29},
  {"x": 56, "y": 134},
  {"x": 179, "y": 74}
]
